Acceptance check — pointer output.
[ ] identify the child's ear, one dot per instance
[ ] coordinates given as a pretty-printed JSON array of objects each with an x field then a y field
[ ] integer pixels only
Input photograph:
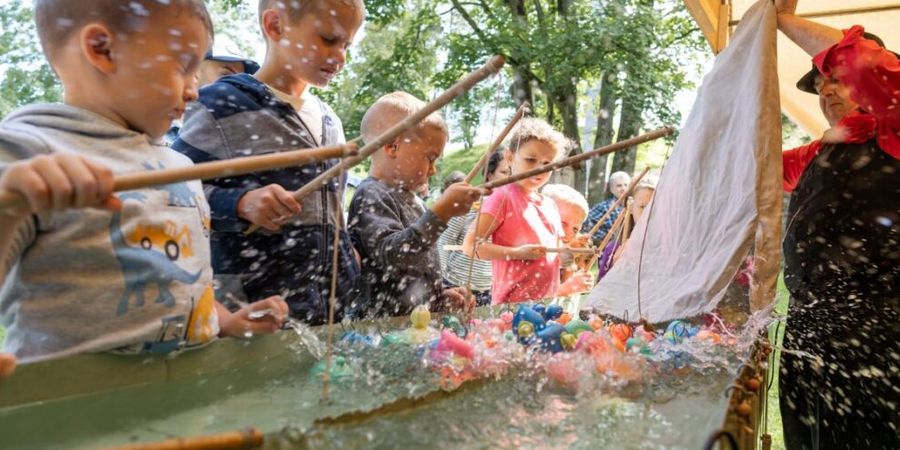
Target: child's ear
[
  {"x": 97, "y": 46},
  {"x": 273, "y": 24},
  {"x": 391, "y": 149}
]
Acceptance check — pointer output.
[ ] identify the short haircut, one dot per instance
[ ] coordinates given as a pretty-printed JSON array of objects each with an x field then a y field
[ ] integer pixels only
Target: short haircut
[
  {"x": 296, "y": 9},
  {"x": 494, "y": 161},
  {"x": 648, "y": 182},
  {"x": 58, "y": 20},
  {"x": 390, "y": 110},
  {"x": 453, "y": 177},
  {"x": 618, "y": 176},
  {"x": 533, "y": 129},
  {"x": 562, "y": 193}
]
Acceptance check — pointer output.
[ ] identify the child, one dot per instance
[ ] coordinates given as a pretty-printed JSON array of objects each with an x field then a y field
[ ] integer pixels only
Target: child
[
  {"x": 456, "y": 266},
  {"x": 520, "y": 222},
  {"x": 274, "y": 111},
  {"x": 134, "y": 275},
  {"x": 573, "y": 209},
  {"x": 638, "y": 201},
  {"x": 394, "y": 232}
]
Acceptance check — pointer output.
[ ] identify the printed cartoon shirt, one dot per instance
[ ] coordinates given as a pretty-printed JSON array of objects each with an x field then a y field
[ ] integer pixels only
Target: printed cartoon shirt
[{"x": 89, "y": 280}]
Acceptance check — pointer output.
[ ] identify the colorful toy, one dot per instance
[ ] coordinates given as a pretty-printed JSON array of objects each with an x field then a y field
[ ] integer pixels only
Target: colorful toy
[
  {"x": 568, "y": 341},
  {"x": 526, "y": 314},
  {"x": 339, "y": 369},
  {"x": 564, "y": 319},
  {"x": 357, "y": 340},
  {"x": 678, "y": 330},
  {"x": 578, "y": 326},
  {"x": 507, "y": 318},
  {"x": 452, "y": 323},
  {"x": 550, "y": 337},
  {"x": 451, "y": 343},
  {"x": 552, "y": 312},
  {"x": 638, "y": 345},
  {"x": 420, "y": 317}
]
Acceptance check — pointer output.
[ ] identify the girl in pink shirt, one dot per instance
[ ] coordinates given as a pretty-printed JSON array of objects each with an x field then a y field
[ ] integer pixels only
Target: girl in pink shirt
[{"x": 518, "y": 223}]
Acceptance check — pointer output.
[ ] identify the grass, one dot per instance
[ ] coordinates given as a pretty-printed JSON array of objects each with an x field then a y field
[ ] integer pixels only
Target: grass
[
  {"x": 776, "y": 334},
  {"x": 462, "y": 160}
]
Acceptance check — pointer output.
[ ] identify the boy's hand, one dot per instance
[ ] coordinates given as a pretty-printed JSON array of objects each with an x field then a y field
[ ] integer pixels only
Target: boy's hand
[
  {"x": 60, "y": 181},
  {"x": 7, "y": 365},
  {"x": 456, "y": 300},
  {"x": 528, "y": 252},
  {"x": 580, "y": 281},
  {"x": 268, "y": 207},
  {"x": 262, "y": 317},
  {"x": 457, "y": 200}
]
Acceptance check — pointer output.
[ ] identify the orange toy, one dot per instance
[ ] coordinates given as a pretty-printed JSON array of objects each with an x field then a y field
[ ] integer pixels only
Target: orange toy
[{"x": 564, "y": 318}]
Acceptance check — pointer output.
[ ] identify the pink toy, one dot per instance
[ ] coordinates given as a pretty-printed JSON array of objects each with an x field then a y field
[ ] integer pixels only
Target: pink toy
[
  {"x": 507, "y": 318},
  {"x": 449, "y": 342},
  {"x": 563, "y": 370}
]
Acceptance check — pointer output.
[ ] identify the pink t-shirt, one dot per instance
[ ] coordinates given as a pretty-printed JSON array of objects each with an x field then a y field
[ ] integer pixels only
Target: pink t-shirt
[{"x": 524, "y": 219}]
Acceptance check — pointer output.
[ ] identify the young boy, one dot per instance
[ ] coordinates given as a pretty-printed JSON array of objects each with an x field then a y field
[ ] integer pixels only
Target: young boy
[
  {"x": 394, "y": 232},
  {"x": 135, "y": 275},
  {"x": 573, "y": 209},
  {"x": 274, "y": 111}
]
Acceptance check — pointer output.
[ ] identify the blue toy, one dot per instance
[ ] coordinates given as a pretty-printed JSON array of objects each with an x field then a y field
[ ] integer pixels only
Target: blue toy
[
  {"x": 550, "y": 337},
  {"x": 527, "y": 314},
  {"x": 539, "y": 308},
  {"x": 553, "y": 312},
  {"x": 357, "y": 340}
]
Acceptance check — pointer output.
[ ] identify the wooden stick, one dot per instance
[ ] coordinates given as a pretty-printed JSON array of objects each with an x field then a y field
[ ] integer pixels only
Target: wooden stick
[
  {"x": 618, "y": 223},
  {"x": 523, "y": 109},
  {"x": 621, "y": 145},
  {"x": 249, "y": 438},
  {"x": 618, "y": 202},
  {"x": 489, "y": 68},
  {"x": 210, "y": 170},
  {"x": 573, "y": 250}
]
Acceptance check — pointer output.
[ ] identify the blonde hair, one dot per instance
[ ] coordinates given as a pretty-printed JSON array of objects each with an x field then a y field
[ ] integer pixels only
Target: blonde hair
[
  {"x": 562, "y": 193},
  {"x": 296, "y": 9},
  {"x": 531, "y": 128},
  {"x": 391, "y": 109}
]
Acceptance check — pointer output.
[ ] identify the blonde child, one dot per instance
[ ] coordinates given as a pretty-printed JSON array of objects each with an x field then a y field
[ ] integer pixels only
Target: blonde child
[
  {"x": 394, "y": 232},
  {"x": 520, "y": 222},
  {"x": 273, "y": 111},
  {"x": 101, "y": 277},
  {"x": 573, "y": 209}
]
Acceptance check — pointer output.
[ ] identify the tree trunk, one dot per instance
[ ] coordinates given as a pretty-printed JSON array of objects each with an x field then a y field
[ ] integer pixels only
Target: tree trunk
[
  {"x": 521, "y": 89},
  {"x": 567, "y": 101},
  {"x": 604, "y": 136},
  {"x": 629, "y": 127}
]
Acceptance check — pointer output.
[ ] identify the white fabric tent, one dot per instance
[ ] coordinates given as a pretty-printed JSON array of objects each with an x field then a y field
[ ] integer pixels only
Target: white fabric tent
[
  {"x": 718, "y": 198},
  {"x": 717, "y": 20}
]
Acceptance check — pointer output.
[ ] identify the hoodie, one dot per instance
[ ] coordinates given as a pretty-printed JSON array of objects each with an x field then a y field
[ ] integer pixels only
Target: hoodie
[{"x": 90, "y": 280}]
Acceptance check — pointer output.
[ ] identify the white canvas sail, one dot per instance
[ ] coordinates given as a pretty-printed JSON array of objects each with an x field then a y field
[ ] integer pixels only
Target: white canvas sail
[{"x": 719, "y": 196}]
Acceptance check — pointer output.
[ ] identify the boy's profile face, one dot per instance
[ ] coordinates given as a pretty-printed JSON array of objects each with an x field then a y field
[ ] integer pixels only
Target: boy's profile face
[
  {"x": 316, "y": 45},
  {"x": 531, "y": 155},
  {"x": 571, "y": 217},
  {"x": 154, "y": 72},
  {"x": 414, "y": 156}
]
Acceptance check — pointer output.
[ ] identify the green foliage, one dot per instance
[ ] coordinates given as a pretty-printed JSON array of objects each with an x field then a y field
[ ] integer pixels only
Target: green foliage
[{"x": 25, "y": 76}]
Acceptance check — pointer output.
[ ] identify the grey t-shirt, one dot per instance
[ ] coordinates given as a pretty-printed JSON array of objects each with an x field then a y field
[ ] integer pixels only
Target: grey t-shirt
[
  {"x": 396, "y": 237},
  {"x": 90, "y": 280}
]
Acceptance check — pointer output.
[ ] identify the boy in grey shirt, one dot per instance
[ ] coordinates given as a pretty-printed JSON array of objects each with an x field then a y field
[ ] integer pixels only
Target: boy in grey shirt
[{"x": 393, "y": 230}]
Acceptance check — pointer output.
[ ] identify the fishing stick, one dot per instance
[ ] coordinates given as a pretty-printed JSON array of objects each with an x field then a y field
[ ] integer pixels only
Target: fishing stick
[
  {"x": 621, "y": 145},
  {"x": 573, "y": 250},
  {"x": 523, "y": 109},
  {"x": 210, "y": 170},
  {"x": 489, "y": 68}
]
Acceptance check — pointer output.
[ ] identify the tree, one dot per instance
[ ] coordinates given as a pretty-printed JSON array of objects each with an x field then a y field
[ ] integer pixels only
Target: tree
[{"x": 25, "y": 76}]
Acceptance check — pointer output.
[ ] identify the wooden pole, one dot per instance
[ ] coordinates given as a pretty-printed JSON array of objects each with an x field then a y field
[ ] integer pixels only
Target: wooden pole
[
  {"x": 602, "y": 246},
  {"x": 523, "y": 109},
  {"x": 489, "y": 68},
  {"x": 618, "y": 202},
  {"x": 245, "y": 439},
  {"x": 210, "y": 170},
  {"x": 573, "y": 250},
  {"x": 621, "y": 145}
]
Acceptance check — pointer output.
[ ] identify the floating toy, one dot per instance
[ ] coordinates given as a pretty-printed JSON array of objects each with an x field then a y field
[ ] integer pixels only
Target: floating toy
[
  {"x": 451, "y": 343},
  {"x": 539, "y": 308},
  {"x": 452, "y": 323},
  {"x": 563, "y": 370},
  {"x": 420, "y": 317},
  {"x": 550, "y": 337},
  {"x": 564, "y": 319},
  {"x": 704, "y": 335},
  {"x": 678, "y": 330},
  {"x": 552, "y": 312},
  {"x": 568, "y": 341},
  {"x": 357, "y": 340},
  {"x": 525, "y": 314},
  {"x": 339, "y": 369},
  {"x": 638, "y": 345},
  {"x": 578, "y": 326},
  {"x": 507, "y": 318},
  {"x": 596, "y": 323}
]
